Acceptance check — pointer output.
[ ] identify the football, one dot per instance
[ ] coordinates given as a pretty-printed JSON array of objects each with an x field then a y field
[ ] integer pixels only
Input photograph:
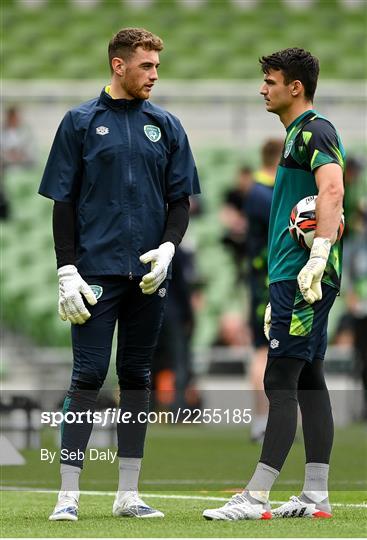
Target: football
[{"x": 302, "y": 222}]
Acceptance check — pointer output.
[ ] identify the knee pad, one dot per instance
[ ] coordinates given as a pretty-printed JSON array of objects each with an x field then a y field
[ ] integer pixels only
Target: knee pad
[
  {"x": 84, "y": 391},
  {"x": 129, "y": 380},
  {"x": 82, "y": 385},
  {"x": 90, "y": 378}
]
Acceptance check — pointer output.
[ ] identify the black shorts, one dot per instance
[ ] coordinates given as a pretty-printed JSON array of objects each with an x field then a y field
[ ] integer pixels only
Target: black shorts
[
  {"x": 139, "y": 318},
  {"x": 298, "y": 329}
]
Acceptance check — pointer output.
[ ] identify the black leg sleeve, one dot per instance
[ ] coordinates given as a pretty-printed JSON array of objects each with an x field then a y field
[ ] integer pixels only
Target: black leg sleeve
[
  {"x": 317, "y": 418},
  {"x": 131, "y": 435},
  {"x": 280, "y": 383},
  {"x": 75, "y": 434}
]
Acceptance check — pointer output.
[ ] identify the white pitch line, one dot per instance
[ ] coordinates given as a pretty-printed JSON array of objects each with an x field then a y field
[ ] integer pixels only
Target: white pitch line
[
  {"x": 181, "y": 481},
  {"x": 161, "y": 496}
]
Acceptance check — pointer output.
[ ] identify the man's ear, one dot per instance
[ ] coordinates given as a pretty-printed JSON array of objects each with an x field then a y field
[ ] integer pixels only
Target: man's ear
[
  {"x": 118, "y": 66},
  {"x": 296, "y": 88}
]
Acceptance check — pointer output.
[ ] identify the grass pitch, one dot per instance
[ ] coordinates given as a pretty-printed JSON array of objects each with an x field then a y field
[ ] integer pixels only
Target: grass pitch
[
  {"x": 25, "y": 515},
  {"x": 187, "y": 469}
]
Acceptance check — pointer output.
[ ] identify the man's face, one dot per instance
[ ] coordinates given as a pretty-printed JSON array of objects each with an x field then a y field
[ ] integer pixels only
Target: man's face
[
  {"x": 140, "y": 73},
  {"x": 277, "y": 94}
]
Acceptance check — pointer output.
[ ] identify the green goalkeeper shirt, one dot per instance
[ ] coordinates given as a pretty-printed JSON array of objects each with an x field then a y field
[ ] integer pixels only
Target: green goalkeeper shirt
[{"x": 311, "y": 141}]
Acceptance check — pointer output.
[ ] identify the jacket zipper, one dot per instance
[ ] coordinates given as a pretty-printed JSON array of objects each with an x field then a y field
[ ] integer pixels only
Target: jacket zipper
[{"x": 130, "y": 186}]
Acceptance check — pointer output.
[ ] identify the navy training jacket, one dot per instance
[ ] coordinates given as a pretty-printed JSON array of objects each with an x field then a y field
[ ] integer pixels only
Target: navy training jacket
[{"x": 120, "y": 162}]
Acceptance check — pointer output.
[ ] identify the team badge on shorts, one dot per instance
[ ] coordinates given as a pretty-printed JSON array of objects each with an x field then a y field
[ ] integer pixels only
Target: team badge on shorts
[
  {"x": 97, "y": 290},
  {"x": 274, "y": 344},
  {"x": 152, "y": 132},
  {"x": 162, "y": 292}
]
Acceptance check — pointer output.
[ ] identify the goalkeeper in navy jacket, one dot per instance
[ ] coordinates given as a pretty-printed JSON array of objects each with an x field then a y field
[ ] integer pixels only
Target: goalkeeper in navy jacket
[{"x": 120, "y": 172}]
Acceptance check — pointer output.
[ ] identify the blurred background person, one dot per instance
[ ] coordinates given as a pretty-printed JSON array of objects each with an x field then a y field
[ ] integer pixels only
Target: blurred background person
[
  {"x": 234, "y": 220},
  {"x": 232, "y": 331},
  {"x": 352, "y": 199},
  {"x": 256, "y": 207},
  {"x": 173, "y": 376},
  {"x": 357, "y": 302},
  {"x": 17, "y": 150},
  {"x": 17, "y": 140},
  {"x": 354, "y": 214}
]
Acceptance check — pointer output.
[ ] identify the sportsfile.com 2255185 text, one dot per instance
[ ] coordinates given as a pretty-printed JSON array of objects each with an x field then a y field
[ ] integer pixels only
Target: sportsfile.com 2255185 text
[{"x": 180, "y": 416}]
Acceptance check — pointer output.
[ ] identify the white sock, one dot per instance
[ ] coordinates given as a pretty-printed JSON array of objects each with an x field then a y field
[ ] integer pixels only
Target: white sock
[
  {"x": 69, "y": 477},
  {"x": 316, "y": 481},
  {"x": 316, "y": 496},
  {"x": 129, "y": 470},
  {"x": 262, "y": 481}
]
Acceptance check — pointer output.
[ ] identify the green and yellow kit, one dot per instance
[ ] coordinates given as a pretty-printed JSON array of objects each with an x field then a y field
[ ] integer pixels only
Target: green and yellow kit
[{"x": 311, "y": 141}]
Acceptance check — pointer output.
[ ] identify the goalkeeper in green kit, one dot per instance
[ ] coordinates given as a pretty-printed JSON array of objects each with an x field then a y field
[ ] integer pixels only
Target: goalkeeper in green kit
[{"x": 303, "y": 288}]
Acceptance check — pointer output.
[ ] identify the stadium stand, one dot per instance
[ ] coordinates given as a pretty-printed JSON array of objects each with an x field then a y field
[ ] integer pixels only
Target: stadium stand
[
  {"x": 28, "y": 277},
  {"x": 203, "y": 39}
]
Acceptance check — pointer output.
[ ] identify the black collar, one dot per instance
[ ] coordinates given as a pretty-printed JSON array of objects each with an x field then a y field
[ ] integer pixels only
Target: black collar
[{"x": 107, "y": 100}]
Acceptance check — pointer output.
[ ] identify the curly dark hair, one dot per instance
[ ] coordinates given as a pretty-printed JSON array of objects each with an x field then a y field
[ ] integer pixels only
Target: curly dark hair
[
  {"x": 295, "y": 64},
  {"x": 124, "y": 43}
]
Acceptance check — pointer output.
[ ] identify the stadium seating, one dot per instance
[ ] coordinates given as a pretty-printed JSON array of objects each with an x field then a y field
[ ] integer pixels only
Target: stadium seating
[
  {"x": 67, "y": 39},
  {"x": 28, "y": 278}
]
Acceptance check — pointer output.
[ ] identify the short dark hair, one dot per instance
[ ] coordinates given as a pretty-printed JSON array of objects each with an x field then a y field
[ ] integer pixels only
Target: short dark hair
[
  {"x": 245, "y": 170},
  {"x": 271, "y": 151},
  {"x": 124, "y": 43},
  {"x": 295, "y": 64}
]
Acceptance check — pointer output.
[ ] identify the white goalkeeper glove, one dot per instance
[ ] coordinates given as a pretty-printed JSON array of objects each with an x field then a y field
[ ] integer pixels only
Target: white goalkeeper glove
[
  {"x": 160, "y": 259},
  {"x": 309, "y": 278},
  {"x": 71, "y": 288},
  {"x": 267, "y": 321}
]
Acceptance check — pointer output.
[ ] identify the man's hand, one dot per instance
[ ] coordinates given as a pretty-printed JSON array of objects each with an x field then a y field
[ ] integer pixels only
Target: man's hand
[
  {"x": 267, "y": 321},
  {"x": 309, "y": 278},
  {"x": 71, "y": 288},
  {"x": 160, "y": 259}
]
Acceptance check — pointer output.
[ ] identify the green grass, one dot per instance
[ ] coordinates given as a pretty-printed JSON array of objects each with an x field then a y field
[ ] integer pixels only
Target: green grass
[
  {"x": 25, "y": 514},
  {"x": 200, "y": 458},
  {"x": 184, "y": 467}
]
